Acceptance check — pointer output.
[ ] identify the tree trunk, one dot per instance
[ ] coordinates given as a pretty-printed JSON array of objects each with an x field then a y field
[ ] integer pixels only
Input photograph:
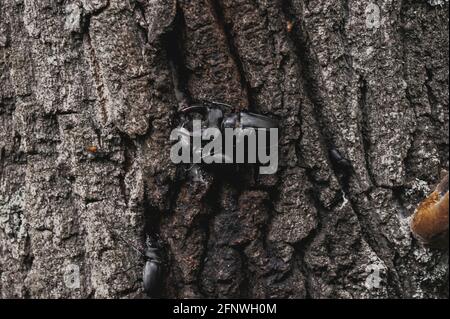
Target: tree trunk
[{"x": 89, "y": 93}]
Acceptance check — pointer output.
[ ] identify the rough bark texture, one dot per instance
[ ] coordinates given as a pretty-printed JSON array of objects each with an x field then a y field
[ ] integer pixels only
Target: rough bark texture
[{"x": 89, "y": 93}]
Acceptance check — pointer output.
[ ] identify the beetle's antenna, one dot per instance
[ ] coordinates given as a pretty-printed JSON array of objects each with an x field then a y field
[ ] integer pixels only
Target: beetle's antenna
[
  {"x": 221, "y": 104},
  {"x": 126, "y": 241}
]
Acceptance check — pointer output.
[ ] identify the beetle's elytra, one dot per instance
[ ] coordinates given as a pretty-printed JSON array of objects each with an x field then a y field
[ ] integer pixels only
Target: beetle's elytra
[{"x": 152, "y": 272}]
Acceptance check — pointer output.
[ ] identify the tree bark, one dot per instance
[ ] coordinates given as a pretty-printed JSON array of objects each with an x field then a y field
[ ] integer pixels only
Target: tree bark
[{"x": 89, "y": 93}]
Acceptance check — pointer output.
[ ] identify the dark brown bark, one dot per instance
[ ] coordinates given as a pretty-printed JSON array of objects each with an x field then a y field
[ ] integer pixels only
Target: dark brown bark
[{"x": 89, "y": 93}]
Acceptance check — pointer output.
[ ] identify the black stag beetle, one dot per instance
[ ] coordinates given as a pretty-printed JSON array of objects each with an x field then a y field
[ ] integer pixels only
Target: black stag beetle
[
  {"x": 342, "y": 166},
  {"x": 152, "y": 269},
  {"x": 153, "y": 265},
  {"x": 216, "y": 117},
  {"x": 340, "y": 161}
]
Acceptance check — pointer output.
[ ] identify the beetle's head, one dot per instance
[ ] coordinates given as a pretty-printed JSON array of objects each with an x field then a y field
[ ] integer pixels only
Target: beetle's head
[{"x": 152, "y": 254}]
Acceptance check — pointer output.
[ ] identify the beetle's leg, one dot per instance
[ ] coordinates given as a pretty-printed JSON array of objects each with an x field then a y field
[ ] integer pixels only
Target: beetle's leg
[
  {"x": 129, "y": 244},
  {"x": 251, "y": 120}
]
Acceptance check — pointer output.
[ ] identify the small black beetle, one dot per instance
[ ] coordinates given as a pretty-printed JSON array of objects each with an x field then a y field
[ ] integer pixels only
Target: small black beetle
[
  {"x": 152, "y": 270},
  {"x": 341, "y": 163}
]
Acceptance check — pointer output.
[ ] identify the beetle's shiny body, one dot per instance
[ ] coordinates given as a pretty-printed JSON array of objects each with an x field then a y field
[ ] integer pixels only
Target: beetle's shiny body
[{"x": 152, "y": 271}]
